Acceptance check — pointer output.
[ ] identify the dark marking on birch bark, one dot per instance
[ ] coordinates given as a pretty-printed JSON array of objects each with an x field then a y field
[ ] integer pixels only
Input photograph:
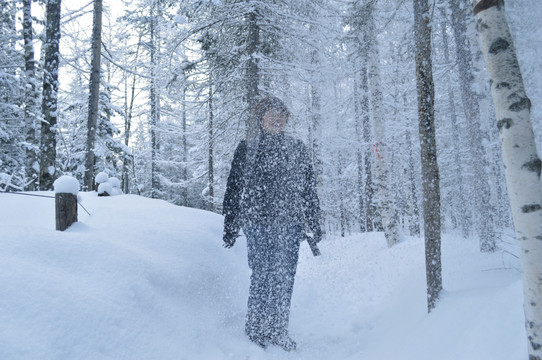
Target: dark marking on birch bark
[
  {"x": 498, "y": 46},
  {"x": 516, "y": 146},
  {"x": 534, "y": 165},
  {"x": 504, "y": 85},
  {"x": 505, "y": 123},
  {"x": 530, "y": 208},
  {"x": 539, "y": 237},
  {"x": 486, "y": 4},
  {"x": 521, "y": 104},
  {"x": 481, "y": 26},
  {"x": 532, "y": 303},
  {"x": 535, "y": 346}
]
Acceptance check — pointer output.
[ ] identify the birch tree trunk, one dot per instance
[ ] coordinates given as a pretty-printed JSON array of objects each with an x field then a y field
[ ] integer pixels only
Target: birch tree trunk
[
  {"x": 428, "y": 147},
  {"x": 185, "y": 140},
  {"x": 211, "y": 146},
  {"x": 371, "y": 211},
  {"x": 49, "y": 106},
  {"x": 482, "y": 193},
  {"x": 94, "y": 96},
  {"x": 155, "y": 104},
  {"x": 387, "y": 203},
  {"x": 30, "y": 107},
  {"x": 412, "y": 199},
  {"x": 522, "y": 163},
  {"x": 359, "y": 154},
  {"x": 460, "y": 210}
]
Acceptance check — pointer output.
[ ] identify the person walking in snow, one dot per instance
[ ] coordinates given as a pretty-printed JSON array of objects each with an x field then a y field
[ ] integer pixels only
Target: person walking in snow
[{"x": 271, "y": 194}]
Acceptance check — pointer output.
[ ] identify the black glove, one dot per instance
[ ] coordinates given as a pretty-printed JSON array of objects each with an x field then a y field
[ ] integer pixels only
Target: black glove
[{"x": 229, "y": 240}]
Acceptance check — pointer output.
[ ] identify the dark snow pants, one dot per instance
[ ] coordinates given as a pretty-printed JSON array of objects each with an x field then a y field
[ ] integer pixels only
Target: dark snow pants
[{"x": 272, "y": 256}]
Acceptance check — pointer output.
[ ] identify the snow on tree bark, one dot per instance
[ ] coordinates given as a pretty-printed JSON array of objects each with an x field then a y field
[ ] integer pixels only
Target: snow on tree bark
[
  {"x": 94, "y": 96},
  {"x": 522, "y": 163},
  {"x": 428, "y": 147},
  {"x": 49, "y": 106}
]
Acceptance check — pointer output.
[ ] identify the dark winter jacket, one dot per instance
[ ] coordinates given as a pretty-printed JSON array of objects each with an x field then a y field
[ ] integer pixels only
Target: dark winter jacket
[{"x": 271, "y": 182}]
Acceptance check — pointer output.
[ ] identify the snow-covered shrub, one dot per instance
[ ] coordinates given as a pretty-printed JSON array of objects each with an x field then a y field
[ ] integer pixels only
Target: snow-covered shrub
[
  {"x": 105, "y": 189},
  {"x": 101, "y": 177},
  {"x": 108, "y": 186},
  {"x": 115, "y": 186}
]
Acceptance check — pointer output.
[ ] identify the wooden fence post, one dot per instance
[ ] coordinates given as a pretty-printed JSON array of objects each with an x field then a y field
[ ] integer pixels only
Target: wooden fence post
[{"x": 66, "y": 210}]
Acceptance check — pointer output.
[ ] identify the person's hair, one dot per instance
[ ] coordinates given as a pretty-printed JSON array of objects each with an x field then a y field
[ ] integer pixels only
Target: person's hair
[{"x": 270, "y": 103}]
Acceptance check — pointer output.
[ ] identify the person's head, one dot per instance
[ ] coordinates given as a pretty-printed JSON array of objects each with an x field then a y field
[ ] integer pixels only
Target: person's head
[{"x": 272, "y": 115}]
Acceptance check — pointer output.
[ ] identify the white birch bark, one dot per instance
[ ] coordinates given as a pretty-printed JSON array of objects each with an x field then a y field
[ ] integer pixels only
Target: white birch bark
[
  {"x": 522, "y": 163},
  {"x": 387, "y": 203}
]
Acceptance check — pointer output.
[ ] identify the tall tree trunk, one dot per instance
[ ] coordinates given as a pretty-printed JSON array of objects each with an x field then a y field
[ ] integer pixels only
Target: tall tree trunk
[
  {"x": 185, "y": 143},
  {"x": 387, "y": 203},
  {"x": 428, "y": 147},
  {"x": 316, "y": 115},
  {"x": 482, "y": 192},
  {"x": 30, "y": 107},
  {"x": 522, "y": 163},
  {"x": 460, "y": 212},
  {"x": 362, "y": 213},
  {"x": 155, "y": 104},
  {"x": 49, "y": 107},
  {"x": 129, "y": 108},
  {"x": 371, "y": 211},
  {"x": 412, "y": 199},
  {"x": 94, "y": 97},
  {"x": 210, "y": 130},
  {"x": 252, "y": 73}
]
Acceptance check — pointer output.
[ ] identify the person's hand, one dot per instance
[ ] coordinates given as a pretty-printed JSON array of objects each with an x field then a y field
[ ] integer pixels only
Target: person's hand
[
  {"x": 317, "y": 236},
  {"x": 229, "y": 240}
]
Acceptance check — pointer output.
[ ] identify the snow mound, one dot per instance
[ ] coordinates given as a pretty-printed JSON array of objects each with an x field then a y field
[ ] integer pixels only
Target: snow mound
[
  {"x": 144, "y": 279},
  {"x": 66, "y": 184},
  {"x": 105, "y": 187},
  {"x": 101, "y": 177}
]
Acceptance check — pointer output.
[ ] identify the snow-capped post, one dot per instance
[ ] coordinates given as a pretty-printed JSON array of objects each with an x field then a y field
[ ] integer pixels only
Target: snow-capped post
[
  {"x": 521, "y": 160},
  {"x": 66, "y": 189}
]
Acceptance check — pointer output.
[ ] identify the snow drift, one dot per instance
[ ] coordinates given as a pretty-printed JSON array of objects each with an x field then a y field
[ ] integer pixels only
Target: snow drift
[{"x": 143, "y": 279}]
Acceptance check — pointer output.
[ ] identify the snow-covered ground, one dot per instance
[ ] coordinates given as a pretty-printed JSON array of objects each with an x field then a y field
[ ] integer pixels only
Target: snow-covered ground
[{"x": 143, "y": 279}]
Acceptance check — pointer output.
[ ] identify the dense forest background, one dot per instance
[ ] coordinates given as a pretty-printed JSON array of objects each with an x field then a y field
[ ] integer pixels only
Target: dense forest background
[{"x": 177, "y": 80}]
